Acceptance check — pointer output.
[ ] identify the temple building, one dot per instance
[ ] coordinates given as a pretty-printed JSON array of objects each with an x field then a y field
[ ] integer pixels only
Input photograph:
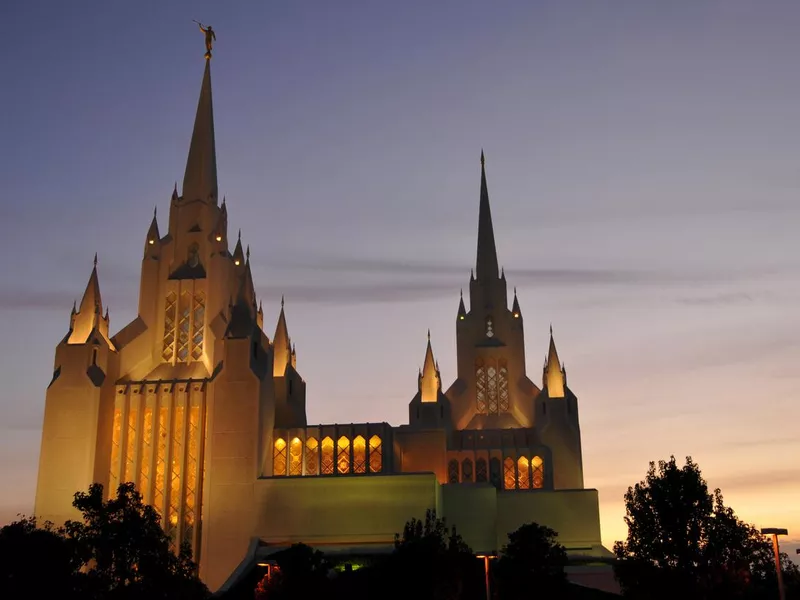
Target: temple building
[{"x": 205, "y": 412}]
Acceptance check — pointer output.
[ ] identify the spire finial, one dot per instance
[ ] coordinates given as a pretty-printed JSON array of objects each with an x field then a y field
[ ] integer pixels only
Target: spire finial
[
  {"x": 95, "y": 259},
  {"x": 483, "y": 159},
  {"x": 551, "y": 330},
  {"x": 240, "y": 234},
  {"x": 247, "y": 254},
  {"x": 515, "y": 290},
  {"x": 429, "y": 335},
  {"x": 155, "y": 211},
  {"x": 282, "y": 300},
  {"x": 461, "y": 293}
]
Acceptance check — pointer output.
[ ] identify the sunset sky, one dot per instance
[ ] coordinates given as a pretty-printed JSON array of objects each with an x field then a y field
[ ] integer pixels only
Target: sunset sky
[{"x": 643, "y": 162}]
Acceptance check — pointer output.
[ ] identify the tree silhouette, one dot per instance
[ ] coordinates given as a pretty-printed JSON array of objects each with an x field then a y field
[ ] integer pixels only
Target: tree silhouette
[
  {"x": 302, "y": 573},
  {"x": 684, "y": 542},
  {"x": 532, "y": 560}
]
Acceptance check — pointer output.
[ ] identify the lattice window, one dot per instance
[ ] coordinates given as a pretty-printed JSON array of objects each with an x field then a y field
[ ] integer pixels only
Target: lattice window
[
  {"x": 192, "y": 454},
  {"x": 343, "y": 455},
  {"x": 312, "y": 456},
  {"x": 481, "y": 474},
  {"x": 327, "y": 456},
  {"x": 147, "y": 453},
  {"x": 375, "y": 454},
  {"x": 489, "y": 327},
  {"x": 161, "y": 457},
  {"x": 296, "y": 457},
  {"x": 170, "y": 316},
  {"x": 116, "y": 441},
  {"x": 523, "y": 474},
  {"x": 537, "y": 469},
  {"x": 359, "y": 455},
  {"x": 198, "y": 320},
  {"x": 130, "y": 445},
  {"x": 503, "y": 387},
  {"x": 176, "y": 458},
  {"x": 509, "y": 473},
  {"x": 494, "y": 472},
  {"x": 480, "y": 384},
  {"x": 491, "y": 388},
  {"x": 466, "y": 470},
  {"x": 184, "y": 326},
  {"x": 279, "y": 458},
  {"x": 452, "y": 471}
]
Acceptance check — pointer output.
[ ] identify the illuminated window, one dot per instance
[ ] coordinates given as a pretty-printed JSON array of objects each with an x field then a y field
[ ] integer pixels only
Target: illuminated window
[
  {"x": 480, "y": 384},
  {"x": 359, "y": 455},
  {"x": 116, "y": 441},
  {"x": 176, "y": 460},
  {"x": 489, "y": 327},
  {"x": 509, "y": 474},
  {"x": 296, "y": 457},
  {"x": 491, "y": 388},
  {"x": 147, "y": 450},
  {"x": 537, "y": 469},
  {"x": 170, "y": 316},
  {"x": 279, "y": 458},
  {"x": 375, "y": 454},
  {"x": 503, "y": 387},
  {"x": 192, "y": 492},
  {"x": 130, "y": 449},
  {"x": 452, "y": 471},
  {"x": 343, "y": 455},
  {"x": 184, "y": 318},
  {"x": 198, "y": 322},
  {"x": 327, "y": 456},
  {"x": 466, "y": 470},
  {"x": 523, "y": 477},
  {"x": 312, "y": 456},
  {"x": 481, "y": 474},
  {"x": 161, "y": 457},
  {"x": 494, "y": 472}
]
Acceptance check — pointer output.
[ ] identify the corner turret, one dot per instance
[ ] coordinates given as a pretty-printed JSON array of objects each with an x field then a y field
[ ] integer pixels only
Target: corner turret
[
  {"x": 290, "y": 388},
  {"x": 430, "y": 408}
]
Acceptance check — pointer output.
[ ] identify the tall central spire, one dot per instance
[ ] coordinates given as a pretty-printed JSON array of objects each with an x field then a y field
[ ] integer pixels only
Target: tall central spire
[
  {"x": 200, "y": 179},
  {"x": 486, "y": 264}
]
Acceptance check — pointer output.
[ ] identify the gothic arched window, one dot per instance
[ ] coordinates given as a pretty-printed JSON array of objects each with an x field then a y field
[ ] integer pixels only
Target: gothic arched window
[
  {"x": 343, "y": 455},
  {"x": 326, "y": 465},
  {"x": 279, "y": 458},
  {"x": 466, "y": 470},
  {"x": 481, "y": 474},
  {"x": 375, "y": 454},
  {"x": 452, "y": 471},
  {"x": 359, "y": 455},
  {"x": 537, "y": 472},
  {"x": 523, "y": 474},
  {"x": 296, "y": 457},
  {"x": 509, "y": 473},
  {"x": 312, "y": 456}
]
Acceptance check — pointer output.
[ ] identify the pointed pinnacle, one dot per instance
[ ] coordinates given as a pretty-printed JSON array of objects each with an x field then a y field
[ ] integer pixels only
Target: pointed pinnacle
[
  {"x": 551, "y": 330},
  {"x": 95, "y": 259},
  {"x": 429, "y": 335},
  {"x": 461, "y": 293},
  {"x": 483, "y": 158},
  {"x": 247, "y": 254},
  {"x": 282, "y": 300},
  {"x": 155, "y": 211},
  {"x": 223, "y": 200},
  {"x": 240, "y": 234},
  {"x": 74, "y": 306}
]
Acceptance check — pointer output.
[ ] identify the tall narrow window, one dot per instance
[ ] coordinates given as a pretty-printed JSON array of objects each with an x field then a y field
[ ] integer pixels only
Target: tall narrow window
[
  {"x": 279, "y": 458},
  {"x": 466, "y": 470},
  {"x": 296, "y": 457},
  {"x": 130, "y": 450},
  {"x": 176, "y": 471},
  {"x": 192, "y": 455},
  {"x": 537, "y": 470},
  {"x": 375, "y": 454},
  {"x": 359, "y": 455},
  {"x": 116, "y": 442},
  {"x": 452, "y": 471},
  {"x": 494, "y": 472},
  {"x": 489, "y": 327},
  {"x": 170, "y": 317},
  {"x": 184, "y": 318},
  {"x": 327, "y": 456},
  {"x": 523, "y": 476},
  {"x": 481, "y": 474},
  {"x": 198, "y": 324},
  {"x": 343, "y": 455},
  {"x": 491, "y": 387},
  {"x": 147, "y": 453},
  {"x": 509, "y": 474},
  {"x": 503, "y": 386},
  {"x": 480, "y": 385},
  {"x": 161, "y": 457},
  {"x": 312, "y": 456}
]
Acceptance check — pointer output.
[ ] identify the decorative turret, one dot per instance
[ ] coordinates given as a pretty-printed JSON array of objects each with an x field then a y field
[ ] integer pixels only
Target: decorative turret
[
  {"x": 219, "y": 233},
  {"x": 554, "y": 376},
  {"x": 200, "y": 178},
  {"x": 430, "y": 381},
  {"x": 462, "y": 312},
  {"x": 515, "y": 310},
  {"x": 238, "y": 253},
  {"x": 260, "y": 316},
  {"x": 430, "y": 408},
  {"x": 89, "y": 316},
  {"x": 282, "y": 345},
  {"x": 244, "y": 312}
]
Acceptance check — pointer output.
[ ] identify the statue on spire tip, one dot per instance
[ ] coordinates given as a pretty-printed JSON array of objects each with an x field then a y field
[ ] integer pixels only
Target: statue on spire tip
[{"x": 211, "y": 37}]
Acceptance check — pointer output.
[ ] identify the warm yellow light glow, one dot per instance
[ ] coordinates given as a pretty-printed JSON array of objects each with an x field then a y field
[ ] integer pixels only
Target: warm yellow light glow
[
  {"x": 516, "y": 315},
  {"x": 236, "y": 262},
  {"x": 296, "y": 457},
  {"x": 219, "y": 238},
  {"x": 151, "y": 242},
  {"x": 461, "y": 317}
]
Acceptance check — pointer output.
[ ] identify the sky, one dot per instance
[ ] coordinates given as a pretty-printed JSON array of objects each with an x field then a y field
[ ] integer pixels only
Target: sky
[{"x": 643, "y": 162}]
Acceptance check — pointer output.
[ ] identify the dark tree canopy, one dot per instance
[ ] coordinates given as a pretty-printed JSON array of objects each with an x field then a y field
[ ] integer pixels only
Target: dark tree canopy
[
  {"x": 532, "y": 560},
  {"x": 302, "y": 573},
  {"x": 684, "y": 542}
]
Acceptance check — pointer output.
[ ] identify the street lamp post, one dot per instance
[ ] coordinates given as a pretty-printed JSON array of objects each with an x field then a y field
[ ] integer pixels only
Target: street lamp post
[
  {"x": 486, "y": 558},
  {"x": 775, "y": 532}
]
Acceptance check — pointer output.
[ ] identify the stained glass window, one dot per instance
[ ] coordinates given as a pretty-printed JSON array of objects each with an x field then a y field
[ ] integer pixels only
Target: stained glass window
[
  {"x": 537, "y": 468},
  {"x": 184, "y": 318},
  {"x": 170, "y": 316},
  {"x": 147, "y": 453},
  {"x": 503, "y": 387},
  {"x": 480, "y": 384},
  {"x": 523, "y": 476},
  {"x": 161, "y": 457},
  {"x": 509, "y": 474},
  {"x": 296, "y": 457},
  {"x": 130, "y": 444},
  {"x": 466, "y": 470},
  {"x": 452, "y": 471},
  {"x": 480, "y": 470},
  {"x": 279, "y": 458},
  {"x": 491, "y": 387},
  {"x": 359, "y": 455},
  {"x": 375, "y": 454},
  {"x": 198, "y": 320},
  {"x": 192, "y": 453},
  {"x": 327, "y": 456},
  {"x": 343, "y": 455},
  {"x": 312, "y": 456},
  {"x": 116, "y": 441},
  {"x": 176, "y": 458}
]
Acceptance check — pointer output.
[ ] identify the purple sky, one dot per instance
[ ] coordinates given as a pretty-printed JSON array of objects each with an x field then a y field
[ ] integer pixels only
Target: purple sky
[{"x": 643, "y": 160}]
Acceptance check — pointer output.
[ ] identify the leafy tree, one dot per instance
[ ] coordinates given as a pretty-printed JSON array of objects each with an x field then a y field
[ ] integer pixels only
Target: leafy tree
[
  {"x": 302, "y": 573},
  {"x": 532, "y": 558},
  {"x": 683, "y": 541}
]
